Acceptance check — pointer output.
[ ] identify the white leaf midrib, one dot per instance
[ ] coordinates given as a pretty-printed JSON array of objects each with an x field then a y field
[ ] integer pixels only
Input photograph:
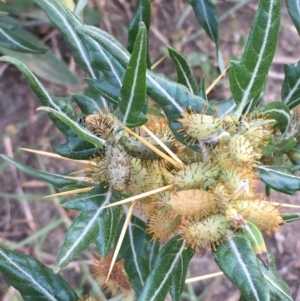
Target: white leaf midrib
[
  {"x": 246, "y": 93},
  {"x": 29, "y": 277},
  {"x": 83, "y": 234}
]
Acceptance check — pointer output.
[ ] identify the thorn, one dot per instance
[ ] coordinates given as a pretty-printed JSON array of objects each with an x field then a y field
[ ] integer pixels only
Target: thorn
[
  {"x": 120, "y": 240},
  {"x": 80, "y": 190}
]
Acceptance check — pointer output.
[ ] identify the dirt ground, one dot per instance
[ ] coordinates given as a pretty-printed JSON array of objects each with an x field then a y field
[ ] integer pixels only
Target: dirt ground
[{"x": 21, "y": 126}]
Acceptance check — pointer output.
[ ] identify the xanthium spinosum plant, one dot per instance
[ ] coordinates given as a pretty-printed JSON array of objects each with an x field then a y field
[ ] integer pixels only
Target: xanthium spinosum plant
[{"x": 182, "y": 170}]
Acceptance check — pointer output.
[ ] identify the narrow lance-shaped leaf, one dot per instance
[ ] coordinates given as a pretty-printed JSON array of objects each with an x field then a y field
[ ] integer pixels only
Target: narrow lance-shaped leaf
[
  {"x": 56, "y": 180},
  {"x": 12, "y": 40},
  {"x": 142, "y": 13},
  {"x": 134, "y": 89},
  {"x": 248, "y": 77},
  {"x": 290, "y": 92},
  {"x": 240, "y": 265},
  {"x": 79, "y": 130},
  {"x": 159, "y": 281},
  {"x": 134, "y": 252},
  {"x": 34, "y": 280},
  {"x": 293, "y": 7},
  {"x": 279, "y": 180},
  {"x": 184, "y": 73},
  {"x": 85, "y": 228},
  {"x": 66, "y": 22},
  {"x": 206, "y": 14},
  {"x": 45, "y": 97}
]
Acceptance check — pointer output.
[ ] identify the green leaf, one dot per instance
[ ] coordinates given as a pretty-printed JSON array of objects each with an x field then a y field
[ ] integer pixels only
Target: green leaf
[
  {"x": 159, "y": 281},
  {"x": 79, "y": 130},
  {"x": 248, "y": 77},
  {"x": 81, "y": 4},
  {"x": 179, "y": 275},
  {"x": 56, "y": 180},
  {"x": 87, "y": 105},
  {"x": 279, "y": 180},
  {"x": 289, "y": 218},
  {"x": 45, "y": 97},
  {"x": 287, "y": 144},
  {"x": 102, "y": 60},
  {"x": 46, "y": 66},
  {"x": 109, "y": 92},
  {"x": 223, "y": 107},
  {"x": 85, "y": 228},
  {"x": 279, "y": 291},
  {"x": 135, "y": 254},
  {"x": 33, "y": 279},
  {"x": 290, "y": 92},
  {"x": 277, "y": 111},
  {"x": 172, "y": 97},
  {"x": 76, "y": 148},
  {"x": 134, "y": 89},
  {"x": 14, "y": 40},
  {"x": 293, "y": 8},
  {"x": 240, "y": 265},
  {"x": 206, "y": 14},
  {"x": 184, "y": 73},
  {"x": 142, "y": 13},
  {"x": 66, "y": 22},
  {"x": 108, "y": 225}
]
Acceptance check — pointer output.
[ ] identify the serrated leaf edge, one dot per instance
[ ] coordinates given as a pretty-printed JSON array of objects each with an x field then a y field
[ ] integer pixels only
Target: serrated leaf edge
[
  {"x": 28, "y": 276},
  {"x": 86, "y": 230}
]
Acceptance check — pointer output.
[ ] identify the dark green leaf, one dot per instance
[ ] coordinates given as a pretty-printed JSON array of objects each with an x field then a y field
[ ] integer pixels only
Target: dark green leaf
[
  {"x": 289, "y": 218},
  {"x": 206, "y": 14},
  {"x": 66, "y": 22},
  {"x": 184, "y": 73},
  {"x": 76, "y": 148},
  {"x": 133, "y": 251},
  {"x": 76, "y": 127},
  {"x": 56, "y": 180},
  {"x": 108, "y": 225},
  {"x": 109, "y": 92},
  {"x": 248, "y": 77},
  {"x": 33, "y": 279},
  {"x": 87, "y": 105},
  {"x": 159, "y": 281},
  {"x": 142, "y": 13},
  {"x": 279, "y": 291},
  {"x": 279, "y": 180},
  {"x": 134, "y": 89},
  {"x": 46, "y": 66},
  {"x": 223, "y": 107},
  {"x": 293, "y": 7},
  {"x": 277, "y": 111},
  {"x": 85, "y": 228},
  {"x": 112, "y": 72},
  {"x": 240, "y": 265},
  {"x": 290, "y": 92},
  {"x": 15, "y": 40},
  {"x": 179, "y": 274}
]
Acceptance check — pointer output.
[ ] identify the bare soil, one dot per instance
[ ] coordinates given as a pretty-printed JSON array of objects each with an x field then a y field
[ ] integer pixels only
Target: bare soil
[{"x": 21, "y": 126}]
